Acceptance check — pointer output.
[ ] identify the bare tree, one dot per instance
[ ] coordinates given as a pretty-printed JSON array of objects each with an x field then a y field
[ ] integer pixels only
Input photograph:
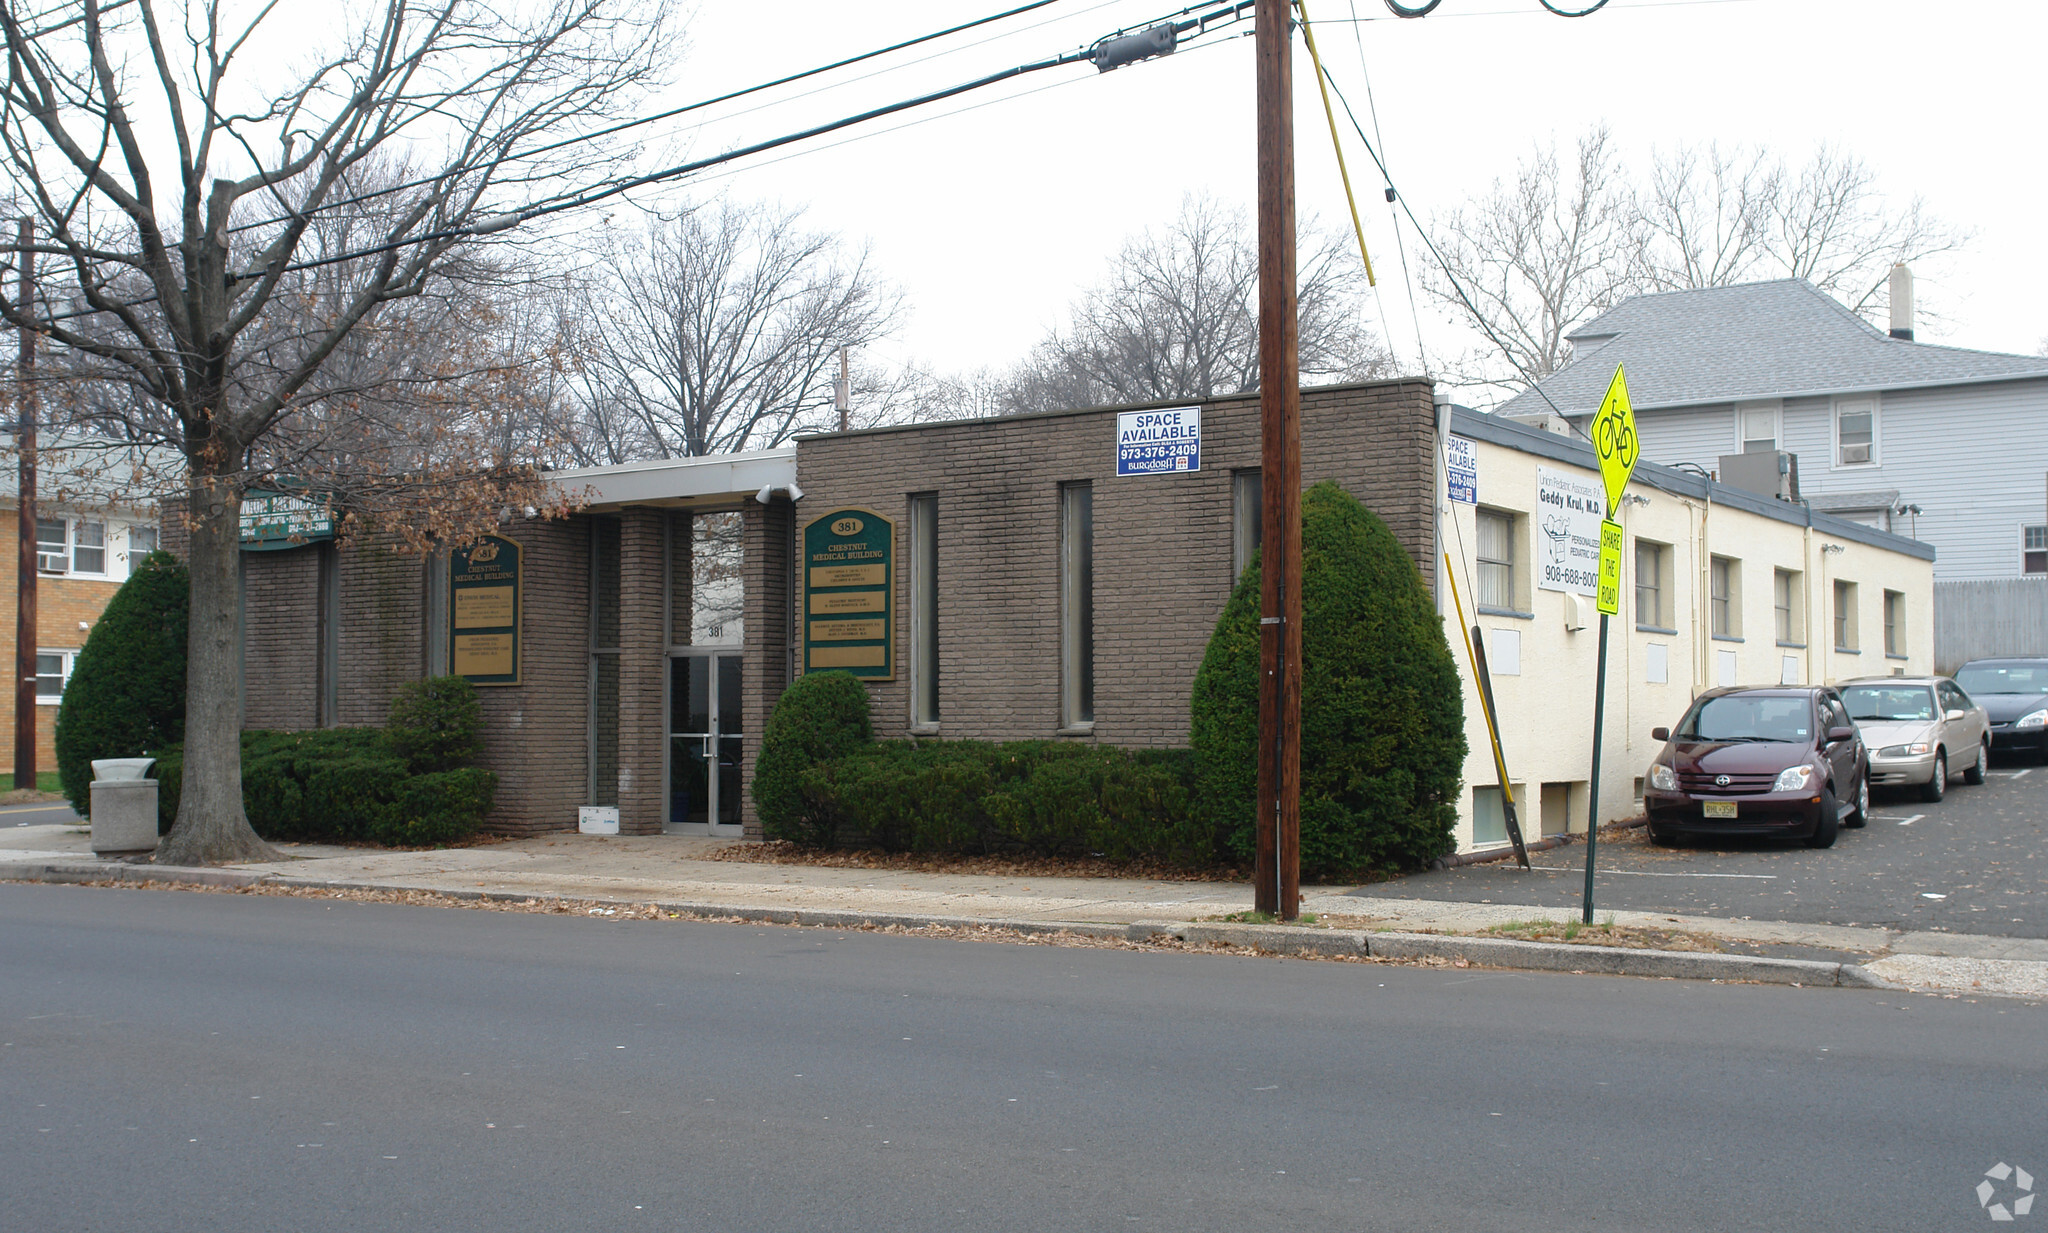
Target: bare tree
[
  {"x": 719, "y": 329},
  {"x": 179, "y": 195},
  {"x": 1177, "y": 317},
  {"x": 1539, "y": 258},
  {"x": 1536, "y": 257}
]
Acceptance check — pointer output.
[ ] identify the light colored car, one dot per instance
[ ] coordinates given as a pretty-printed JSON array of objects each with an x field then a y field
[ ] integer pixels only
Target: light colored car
[{"x": 1919, "y": 730}]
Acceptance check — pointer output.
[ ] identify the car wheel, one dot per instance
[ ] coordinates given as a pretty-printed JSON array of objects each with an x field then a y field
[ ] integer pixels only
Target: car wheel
[
  {"x": 1860, "y": 814},
  {"x": 1975, "y": 774},
  {"x": 1937, "y": 786},
  {"x": 1830, "y": 824}
]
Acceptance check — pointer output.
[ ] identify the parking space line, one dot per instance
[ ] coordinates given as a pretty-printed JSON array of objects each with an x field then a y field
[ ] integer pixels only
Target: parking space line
[
  {"x": 1650, "y": 873},
  {"x": 1910, "y": 821},
  {"x": 2019, "y": 774}
]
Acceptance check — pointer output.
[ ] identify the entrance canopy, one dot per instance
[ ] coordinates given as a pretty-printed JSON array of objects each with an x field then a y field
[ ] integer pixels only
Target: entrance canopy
[{"x": 714, "y": 479}]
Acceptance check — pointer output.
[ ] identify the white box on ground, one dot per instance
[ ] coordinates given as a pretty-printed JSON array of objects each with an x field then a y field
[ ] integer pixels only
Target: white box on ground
[{"x": 597, "y": 819}]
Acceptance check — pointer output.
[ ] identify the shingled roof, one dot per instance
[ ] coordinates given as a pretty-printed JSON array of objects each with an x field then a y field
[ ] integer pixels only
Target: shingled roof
[{"x": 1780, "y": 339}]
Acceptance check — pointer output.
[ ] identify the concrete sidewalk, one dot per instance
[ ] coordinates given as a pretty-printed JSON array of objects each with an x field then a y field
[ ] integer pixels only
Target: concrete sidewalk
[{"x": 673, "y": 872}]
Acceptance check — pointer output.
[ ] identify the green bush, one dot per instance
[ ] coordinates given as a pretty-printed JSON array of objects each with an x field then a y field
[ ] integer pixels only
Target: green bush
[
  {"x": 822, "y": 715},
  {"x": 341, "y": 785},
  {"x": 436, "y": 724},
  {"x": 126, "y": 697},
  {"x": 1382, "y": 713},
  {"x": 1033, "y": 797}
]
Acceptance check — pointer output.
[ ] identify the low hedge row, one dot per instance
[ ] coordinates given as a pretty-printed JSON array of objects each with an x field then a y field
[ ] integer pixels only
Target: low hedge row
[
  {"x": 341, "y": 785},
  {"x": 1040, "y": 797}
]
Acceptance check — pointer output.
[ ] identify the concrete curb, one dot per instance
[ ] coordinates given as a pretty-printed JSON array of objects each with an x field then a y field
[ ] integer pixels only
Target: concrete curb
[
  {"x": 1267, "y": 939},
  {"x": 78, "y": 871}
]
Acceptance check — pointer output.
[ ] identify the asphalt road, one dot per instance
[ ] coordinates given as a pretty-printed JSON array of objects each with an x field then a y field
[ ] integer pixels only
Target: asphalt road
[
  {"x": 50, "y": 814},
  {"x": 1975, "y": 863},
  {"x": 172, "y": 1060}
]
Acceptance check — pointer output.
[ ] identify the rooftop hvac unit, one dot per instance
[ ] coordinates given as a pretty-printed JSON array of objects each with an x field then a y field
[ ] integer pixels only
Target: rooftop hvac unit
[{"x": 1771, "y": 474}]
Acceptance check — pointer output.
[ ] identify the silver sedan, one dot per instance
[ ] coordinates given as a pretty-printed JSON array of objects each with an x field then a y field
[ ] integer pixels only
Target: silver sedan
[{"x": 1919, "y": 730}]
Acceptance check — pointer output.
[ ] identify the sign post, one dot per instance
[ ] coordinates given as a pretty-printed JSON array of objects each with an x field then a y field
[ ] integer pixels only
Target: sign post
[{"x": 1617, "y": 446}]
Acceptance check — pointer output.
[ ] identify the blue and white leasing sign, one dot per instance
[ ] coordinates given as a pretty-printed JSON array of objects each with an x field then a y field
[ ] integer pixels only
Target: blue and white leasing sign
[
  {"x": 1152, "y": 442},
  {"x": 1461, "y": 469}
]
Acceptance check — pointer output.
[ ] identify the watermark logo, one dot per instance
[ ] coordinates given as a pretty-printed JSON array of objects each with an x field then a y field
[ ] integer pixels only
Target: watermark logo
[{"x": 2006, "y": 1191}]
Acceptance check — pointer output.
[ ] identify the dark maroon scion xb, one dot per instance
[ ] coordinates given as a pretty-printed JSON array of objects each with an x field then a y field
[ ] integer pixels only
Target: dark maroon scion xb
[{"x": 1760, "y": 761}]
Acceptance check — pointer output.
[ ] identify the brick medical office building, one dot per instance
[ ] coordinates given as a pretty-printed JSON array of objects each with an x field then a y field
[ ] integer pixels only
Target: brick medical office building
[{"x": 1022, "y": 589}]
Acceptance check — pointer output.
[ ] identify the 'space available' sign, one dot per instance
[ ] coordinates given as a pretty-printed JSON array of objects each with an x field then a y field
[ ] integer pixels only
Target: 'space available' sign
[
  {"x": 1154, "y": 442},
  {"x": 1569, "y": 509}
]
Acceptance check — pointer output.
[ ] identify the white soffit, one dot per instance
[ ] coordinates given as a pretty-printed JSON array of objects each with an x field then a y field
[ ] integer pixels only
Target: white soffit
[{"x": 677, "y": 481}]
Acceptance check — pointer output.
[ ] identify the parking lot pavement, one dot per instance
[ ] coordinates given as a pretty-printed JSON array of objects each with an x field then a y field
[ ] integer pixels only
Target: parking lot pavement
[{"x": 1975, "y": 863}]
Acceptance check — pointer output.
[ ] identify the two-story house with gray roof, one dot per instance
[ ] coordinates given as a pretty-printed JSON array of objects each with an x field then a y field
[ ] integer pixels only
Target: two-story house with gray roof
[{"x": 1943, "y": 444}]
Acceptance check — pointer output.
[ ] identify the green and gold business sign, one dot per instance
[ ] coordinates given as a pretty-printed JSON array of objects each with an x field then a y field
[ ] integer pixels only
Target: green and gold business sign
[
  {"x": 486, "y": 598},
  {"x": 849, "y": 594}
]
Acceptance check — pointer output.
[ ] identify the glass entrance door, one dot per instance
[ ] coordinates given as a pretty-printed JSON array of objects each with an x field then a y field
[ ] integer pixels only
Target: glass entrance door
[{"x": 705, "y": 744}]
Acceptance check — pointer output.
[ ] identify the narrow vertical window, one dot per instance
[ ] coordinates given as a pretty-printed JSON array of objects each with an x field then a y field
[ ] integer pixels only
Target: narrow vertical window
[
  {"x": 53, "y": 550},
  {"x": 1855, "y": 432},
  {"x": 1724, "y": 609},
  {"x": 89, "y": 554},
  {"x": 439, "y": 618},
  {"x": 1784, "y": 604},
  {"x": 1650, "y": 585},
  {"x": 1496, "y": 577},
  {"x": 1247, "y": 519},
  {"x": 2034, "y": 550},
  {"x": 1895, "y": 623},
  {"x": 1077, "y": 605},
  {"x": 924, "y": 610},
  {"x": 1845, "y": 616}
]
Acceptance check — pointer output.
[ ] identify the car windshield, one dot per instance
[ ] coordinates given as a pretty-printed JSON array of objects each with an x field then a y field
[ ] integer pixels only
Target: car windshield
[
  {"x": 1889, "y": 702},
  {"x": 1740, "y": 717},
  {"x": 2005, "y": 679}
]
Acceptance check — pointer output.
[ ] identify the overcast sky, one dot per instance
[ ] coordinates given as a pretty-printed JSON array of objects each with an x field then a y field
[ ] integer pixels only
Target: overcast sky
[{"x": 994, "y": 211}]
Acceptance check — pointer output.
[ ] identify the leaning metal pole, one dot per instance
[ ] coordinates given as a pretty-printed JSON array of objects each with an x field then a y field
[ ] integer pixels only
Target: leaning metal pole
[{"x": 1278, "y": 877}]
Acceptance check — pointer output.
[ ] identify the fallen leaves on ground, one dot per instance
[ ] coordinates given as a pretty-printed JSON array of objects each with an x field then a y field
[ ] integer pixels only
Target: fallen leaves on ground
[{"x": 783, "y": 852}]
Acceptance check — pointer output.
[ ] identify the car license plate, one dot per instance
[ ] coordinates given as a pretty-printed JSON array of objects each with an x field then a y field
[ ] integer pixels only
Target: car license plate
[{"x": 1719, "y": 809}]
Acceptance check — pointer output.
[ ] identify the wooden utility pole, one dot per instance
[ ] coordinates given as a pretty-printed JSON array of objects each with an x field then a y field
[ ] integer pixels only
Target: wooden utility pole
[
  {"x": 1278, "y": 876},
  {"x": 25, "y": 523}
]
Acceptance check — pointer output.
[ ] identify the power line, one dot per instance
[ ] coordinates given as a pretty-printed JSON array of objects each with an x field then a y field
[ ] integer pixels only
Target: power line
[
  {"x": 1442, "y": 263},
  {"x": 1103, "y": 53},
  {"x": 677, "y": 111}
]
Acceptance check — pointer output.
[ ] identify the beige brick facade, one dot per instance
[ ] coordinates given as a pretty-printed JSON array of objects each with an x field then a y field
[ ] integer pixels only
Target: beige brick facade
[
  {"x": 1162, "y": 571},
  {"x": 1162, "y": 546}
]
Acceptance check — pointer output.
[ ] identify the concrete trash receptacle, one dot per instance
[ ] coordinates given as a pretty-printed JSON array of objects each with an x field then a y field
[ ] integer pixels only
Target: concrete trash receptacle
[{"x": 123, "y": 807}]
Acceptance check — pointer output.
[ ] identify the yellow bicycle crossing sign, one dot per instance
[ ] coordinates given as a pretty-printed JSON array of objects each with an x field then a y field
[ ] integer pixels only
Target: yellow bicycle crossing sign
[{"x": 1615, "y": 440}]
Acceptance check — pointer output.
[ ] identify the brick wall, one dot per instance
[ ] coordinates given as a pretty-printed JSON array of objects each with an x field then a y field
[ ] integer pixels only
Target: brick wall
[
  {"x": 768, "y": 533},
  {"x": 1162, "y": 546},
  {"x": 382, "y": 627},
  {"x": 280, "y": 638}
]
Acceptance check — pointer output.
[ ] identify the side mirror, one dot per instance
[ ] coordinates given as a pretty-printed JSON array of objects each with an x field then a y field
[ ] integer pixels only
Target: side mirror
[
  {"x": 1841, "y": 734},
  {"x": 1660, "y": 734},
  {"x": 1953, "y": 716}
]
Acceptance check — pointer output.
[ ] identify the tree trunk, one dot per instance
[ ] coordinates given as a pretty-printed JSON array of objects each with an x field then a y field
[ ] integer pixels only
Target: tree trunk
[{"x": 212, "y": 828}]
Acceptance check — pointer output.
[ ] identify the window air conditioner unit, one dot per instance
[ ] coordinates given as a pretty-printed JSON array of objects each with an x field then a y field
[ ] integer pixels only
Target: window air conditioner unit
[{"x": 52, "y": 562}]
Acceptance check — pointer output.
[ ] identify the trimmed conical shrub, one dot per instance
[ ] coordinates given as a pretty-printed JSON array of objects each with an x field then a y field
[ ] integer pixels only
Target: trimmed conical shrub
[
  {"x": 126, "y": 697},
  {"x": 822, "y": 715},
  {"x": 1382, "y": 713}
]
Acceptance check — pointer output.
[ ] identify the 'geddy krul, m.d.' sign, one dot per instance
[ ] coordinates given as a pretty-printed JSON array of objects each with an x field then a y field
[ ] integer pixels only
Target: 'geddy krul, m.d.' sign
[{"x": 1153, "y": 442}]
